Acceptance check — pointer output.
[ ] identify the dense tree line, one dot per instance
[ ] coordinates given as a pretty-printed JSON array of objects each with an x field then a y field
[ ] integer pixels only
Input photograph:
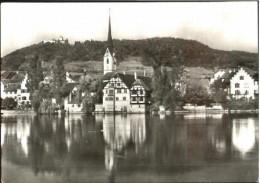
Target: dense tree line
[{"x": 189, "y": 52}]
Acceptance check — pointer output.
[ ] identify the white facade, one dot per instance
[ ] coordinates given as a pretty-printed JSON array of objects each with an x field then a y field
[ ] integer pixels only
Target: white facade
[
  {"x": 116, "y": 96},
  {"x": 3, "y": 94},
  {"x": 21, "y": 94},
  {"x": 243, "y": 85},
  {"x": 109, "y": 62},
  {"x": 72, "y": 107},
  {"x": 138, "y": 98}
]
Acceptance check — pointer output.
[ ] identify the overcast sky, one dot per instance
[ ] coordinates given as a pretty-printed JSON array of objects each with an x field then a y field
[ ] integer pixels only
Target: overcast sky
[{"x": 220, "y": 25}]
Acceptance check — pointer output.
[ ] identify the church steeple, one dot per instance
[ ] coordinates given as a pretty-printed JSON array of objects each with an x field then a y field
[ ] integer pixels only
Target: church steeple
[
  {"x": 109, "y": 57},
  {"x": 109, "y": 38}
]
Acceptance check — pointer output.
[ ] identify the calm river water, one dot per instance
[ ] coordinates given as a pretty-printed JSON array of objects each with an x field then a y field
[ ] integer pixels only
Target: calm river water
[{"x": 129, "y": 148}]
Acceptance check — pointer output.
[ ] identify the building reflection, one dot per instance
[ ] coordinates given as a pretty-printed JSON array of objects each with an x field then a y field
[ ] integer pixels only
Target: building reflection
[
  {"x": 243, "y": 135},
  {"x": 45, "y": 142},
  {"x": 118, "y": 132},
  {"x": 17, "y": 127}
]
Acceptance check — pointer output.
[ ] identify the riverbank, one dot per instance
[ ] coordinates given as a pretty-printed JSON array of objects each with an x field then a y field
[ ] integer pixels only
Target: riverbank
[
  {"x": 217, "y": 111},
  {"x": 17, "y": 112},
  {"x": 176, "y": 112}
]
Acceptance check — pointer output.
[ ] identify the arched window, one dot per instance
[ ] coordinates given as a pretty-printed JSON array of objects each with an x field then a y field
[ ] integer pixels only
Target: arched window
[
  {"x": 241, "y": 77},
  {"x": 237, "y": 85},
  {"x": 246, "y": 92},
  {"x": 107, "y": 61}
]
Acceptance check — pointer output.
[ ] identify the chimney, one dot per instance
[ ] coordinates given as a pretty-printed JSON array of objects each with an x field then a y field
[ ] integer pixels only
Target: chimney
[
  {"x": 144, "y": 73},
  {"x": 135, "y": 76}
]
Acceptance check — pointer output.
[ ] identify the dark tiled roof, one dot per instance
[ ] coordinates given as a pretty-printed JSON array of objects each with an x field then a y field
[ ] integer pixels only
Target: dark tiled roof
[
  {"x": 18, "y": 77},
  {"x": 147, "y": 81},
  {"x": 127, "y": 79},
  {"x": 8, "y": 75},
  {"x": 75, "y": 77},
  {"x": 70, "y": 86},
  {"x": 252, "y": 73},
  {"x": 13, "y": 87}
]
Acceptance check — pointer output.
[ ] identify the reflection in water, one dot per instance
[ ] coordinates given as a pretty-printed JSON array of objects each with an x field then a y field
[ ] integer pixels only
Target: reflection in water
[
  {"x": 243, "y": 134},
  {"x": 92, "y": 145},
  {"x": 118, "y": 131},
  {"x": 203, "y": 115},
  {"x": 19, "y": 129}
]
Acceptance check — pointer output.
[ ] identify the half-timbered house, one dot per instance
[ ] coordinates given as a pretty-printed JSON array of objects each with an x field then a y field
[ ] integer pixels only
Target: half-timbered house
[{"x": 126, "y": 93}]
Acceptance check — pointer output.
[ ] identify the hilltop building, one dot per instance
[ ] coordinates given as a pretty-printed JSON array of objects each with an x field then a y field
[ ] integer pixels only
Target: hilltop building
[
  {"x": 122, "y": 92},
  {"x": 59, "y": 40}
]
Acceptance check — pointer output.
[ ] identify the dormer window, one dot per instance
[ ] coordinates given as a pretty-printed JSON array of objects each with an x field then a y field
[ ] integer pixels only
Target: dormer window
[{"x": 241, "y": 77}]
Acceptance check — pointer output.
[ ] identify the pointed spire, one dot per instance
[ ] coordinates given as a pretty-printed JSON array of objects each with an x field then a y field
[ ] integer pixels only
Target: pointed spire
[{"x": 109, "y": 38}]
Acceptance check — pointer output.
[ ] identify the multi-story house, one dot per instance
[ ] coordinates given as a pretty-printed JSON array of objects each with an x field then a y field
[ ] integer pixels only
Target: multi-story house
[
  {"x": 244, "y": 83},
  {"x": 14, "y": 86},
  {"x": 241, "y": 82},
  {"x": 126, "y": 93}
]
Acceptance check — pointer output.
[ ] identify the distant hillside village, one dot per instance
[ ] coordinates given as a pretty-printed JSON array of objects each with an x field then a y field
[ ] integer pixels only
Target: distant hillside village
[{"x": 166, "y": 89}]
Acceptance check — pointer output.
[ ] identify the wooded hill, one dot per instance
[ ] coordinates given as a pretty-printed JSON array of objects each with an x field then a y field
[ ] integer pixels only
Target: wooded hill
[{"x": 190, "y": 53}]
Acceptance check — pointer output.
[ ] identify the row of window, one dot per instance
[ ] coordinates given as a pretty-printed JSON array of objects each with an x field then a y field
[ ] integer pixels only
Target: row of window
[
  {"x": 237, "y": 92},
  {"x": 111, "y": 98},
  {"x": 76, "y": 105},
  {"x": 137, "y": 92},
  {"x": 136, "y": 99},
  {"x": 23, "y": 98},
  {"x": 117, "y": 91},
  {"x": 113, "y": 84},
  {"x": 15, "y": 92}
]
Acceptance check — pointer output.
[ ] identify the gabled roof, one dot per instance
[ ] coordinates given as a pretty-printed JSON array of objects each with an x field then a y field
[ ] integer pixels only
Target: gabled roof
[
  {"x": 252, "y": 73},
  {"x": 128, "y": 79},
  {"x": 7, "y": 75},
  {"x": 13, "y": 87}
]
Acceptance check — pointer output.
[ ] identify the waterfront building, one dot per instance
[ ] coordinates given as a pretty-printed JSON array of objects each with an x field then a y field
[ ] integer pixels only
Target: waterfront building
[
  {"x": 73, "y": 101},
  {"x": 13, "y": 85},
  {"x": 244, "y": 83},
  {"x": 239, "y": 82},
  {"x": 126, "y": 93}
]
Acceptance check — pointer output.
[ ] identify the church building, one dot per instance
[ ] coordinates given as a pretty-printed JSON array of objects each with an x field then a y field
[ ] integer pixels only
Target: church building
[{"x": 122, "y": 92}]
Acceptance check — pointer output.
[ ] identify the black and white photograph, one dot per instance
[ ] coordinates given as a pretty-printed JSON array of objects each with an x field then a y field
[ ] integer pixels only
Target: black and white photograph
[{"x": 129, "y": 92}]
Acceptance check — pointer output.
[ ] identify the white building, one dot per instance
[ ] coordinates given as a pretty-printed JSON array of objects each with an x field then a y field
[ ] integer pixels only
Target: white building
[
  {"x": 244, "y": 83},
  {"x": 126, "y": 93},
  {"x": 73, "y": 102},
  {"x": 241, "y": 82},
  {"x": 15, "y": 87}
]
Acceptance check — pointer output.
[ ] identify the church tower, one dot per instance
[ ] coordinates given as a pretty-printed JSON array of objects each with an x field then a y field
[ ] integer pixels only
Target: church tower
[{"x": 109, "y": 57}]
